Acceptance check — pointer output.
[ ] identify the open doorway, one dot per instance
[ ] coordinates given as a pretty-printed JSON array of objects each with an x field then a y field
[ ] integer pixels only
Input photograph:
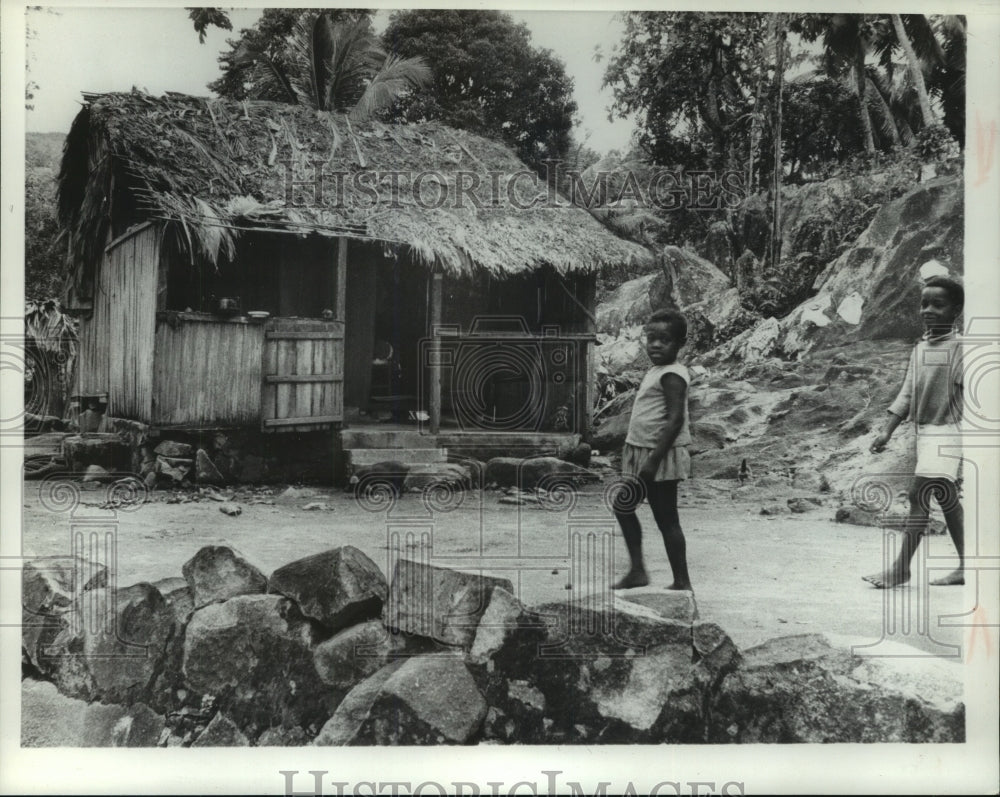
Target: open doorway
[{"x": 386, "y": 321}]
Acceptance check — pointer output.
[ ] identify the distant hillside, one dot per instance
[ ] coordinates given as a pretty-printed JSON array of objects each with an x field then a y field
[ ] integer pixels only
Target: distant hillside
[
  {"x": 42, "y": 256},
  {"x": 43, "y": 150}
]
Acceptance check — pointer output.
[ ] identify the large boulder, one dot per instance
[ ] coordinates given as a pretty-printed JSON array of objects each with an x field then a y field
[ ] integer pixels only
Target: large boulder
[
  {"x": 435, "y": 602},
  {"x": 117, "y": 646},
  {"x": 683, "y": 279},
  {"x": 120, "y": 726},
  {"x": 352, "y": 655},
  {"x": 337, "y": 588},
  {"x": 613, "y": 429},
  {"x": 50, "y": 719},
  {"x": 622, "y": 671},
  {"x": 172, "y": 448},
  {"x": 343, "y": 727},
  {"x": 217, "y": 573},
  {"x": 429, "y": 700},
  {"x": 253, "y": 653},
  {"x": 622, "y": 353},
  {"x": 813, "y": 688},
  {"x": 871, "y": 290},
  {"x": 693, "y": 278},
  {"x": 169, "y": 684},
  {"x": 50, "y": 588}
]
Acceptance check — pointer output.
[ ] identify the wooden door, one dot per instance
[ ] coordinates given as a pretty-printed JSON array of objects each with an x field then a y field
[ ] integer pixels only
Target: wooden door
[{"x": 303, "y": 374}]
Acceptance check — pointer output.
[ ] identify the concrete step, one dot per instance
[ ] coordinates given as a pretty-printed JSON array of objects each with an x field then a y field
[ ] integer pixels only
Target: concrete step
[
  {"x": 386, "y": 438},
  {"x": 360, "y": 457}
]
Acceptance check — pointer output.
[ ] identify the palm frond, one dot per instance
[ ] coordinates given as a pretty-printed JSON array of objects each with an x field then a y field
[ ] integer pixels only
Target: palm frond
[{"x": 396, "y": 76}]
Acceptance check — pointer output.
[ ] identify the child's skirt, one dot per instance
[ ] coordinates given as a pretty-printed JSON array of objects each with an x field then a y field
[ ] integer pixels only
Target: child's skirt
[
  {"x": 939, "y": 452},
  {"x": 675, "y": 465}
]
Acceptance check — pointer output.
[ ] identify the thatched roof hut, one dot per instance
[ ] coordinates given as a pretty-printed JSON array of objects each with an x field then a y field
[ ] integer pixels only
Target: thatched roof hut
[
  {"x": 365, "y": 257},
  {"x": 213, "y": 168}
]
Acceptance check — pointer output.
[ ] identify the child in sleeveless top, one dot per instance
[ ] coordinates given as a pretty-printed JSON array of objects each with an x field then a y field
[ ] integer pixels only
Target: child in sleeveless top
[{"x": 655, "y": 457}]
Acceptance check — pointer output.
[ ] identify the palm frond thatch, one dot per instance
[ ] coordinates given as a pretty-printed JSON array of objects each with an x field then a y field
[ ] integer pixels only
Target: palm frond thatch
[{"x": 214, "y": 169}]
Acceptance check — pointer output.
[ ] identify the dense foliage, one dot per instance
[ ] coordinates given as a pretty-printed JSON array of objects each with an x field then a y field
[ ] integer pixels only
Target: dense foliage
[{"x": 488, "y": 79}]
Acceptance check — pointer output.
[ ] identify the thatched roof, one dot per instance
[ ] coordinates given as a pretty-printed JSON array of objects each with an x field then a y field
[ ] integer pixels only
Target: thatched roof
[{"x": 216, "y": 169}]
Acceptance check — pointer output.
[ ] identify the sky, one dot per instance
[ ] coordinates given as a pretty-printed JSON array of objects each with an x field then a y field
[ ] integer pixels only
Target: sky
[{"x": 156, "y": 49}]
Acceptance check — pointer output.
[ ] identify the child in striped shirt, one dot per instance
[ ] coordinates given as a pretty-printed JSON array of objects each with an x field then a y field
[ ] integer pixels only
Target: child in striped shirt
[{"x": 932, "y": 397}]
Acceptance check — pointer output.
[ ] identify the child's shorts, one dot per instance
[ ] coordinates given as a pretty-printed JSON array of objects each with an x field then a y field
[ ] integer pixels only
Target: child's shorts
[
  {"x": 675, "y": 465},
  {"x": 939, "y": 452}
]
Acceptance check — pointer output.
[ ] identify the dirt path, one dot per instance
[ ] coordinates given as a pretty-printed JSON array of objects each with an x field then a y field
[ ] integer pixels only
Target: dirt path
[{"x": 757, "y": 576}]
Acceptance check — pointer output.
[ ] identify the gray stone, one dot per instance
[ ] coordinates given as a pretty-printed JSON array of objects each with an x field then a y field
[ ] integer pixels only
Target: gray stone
[
  {"x": 715, "y": 652},
  {"x": 217, "y": 573},
  {"x": 116, "y": 650},
  {"x": 578, "y": 454},
  {"x": 810, "y": 480},
  {"x": 169, "y": 680},
  {"x": 429, "y": 700},
  {"x": 50, "y": 587},
  {"x": 343, "y": 727},
  {"x": 221, "y": 732},
  {"x": 448, "y": 476},
  {"x": 120, "y": 726},
  {"x": 173, "y": 470},
  {"x": 95, "y": 473},
  {"x": 106, "y": 449},
  {"x": 49, "y": 718},
  {"x": 205, "y": 470},
  {"x": 439, "y": 603},
  {"x": 231, "y": 509},
  {"x": 671, "y": 604},
  {"x": 283, "y": 737},
  {"x": 620, "y": 668},
  {"x": 544, "y": 472},
  {"x": 355, "y": 653},
  {"x": 337, "y": 588},
  {"x": 254, "y": 654},
  {"x": 503, "y": 617},
  {"x": 171, "y": 448},
  {"x": 857, "y": 516},
  {"x": 811, "y": 688},
  {"x": 800, "y": 506}
]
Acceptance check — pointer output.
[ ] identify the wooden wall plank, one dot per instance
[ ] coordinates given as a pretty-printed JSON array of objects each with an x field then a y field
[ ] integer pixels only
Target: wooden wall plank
[{"x": 208, "y": 373}]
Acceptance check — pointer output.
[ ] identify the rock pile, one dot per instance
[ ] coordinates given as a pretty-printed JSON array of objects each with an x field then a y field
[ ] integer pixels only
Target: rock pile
[{"x": 326, "y": 651}]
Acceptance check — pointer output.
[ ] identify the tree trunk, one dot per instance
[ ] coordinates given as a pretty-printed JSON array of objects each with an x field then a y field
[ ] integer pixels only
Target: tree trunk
[
  {"x": 915, "y": 72},
  {"x": 779, "y": 77},
  {"x": 860, "y": 84}
]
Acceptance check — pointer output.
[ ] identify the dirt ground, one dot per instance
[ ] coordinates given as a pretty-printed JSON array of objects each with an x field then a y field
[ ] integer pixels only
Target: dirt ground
[{"x": 756, "y": 576}]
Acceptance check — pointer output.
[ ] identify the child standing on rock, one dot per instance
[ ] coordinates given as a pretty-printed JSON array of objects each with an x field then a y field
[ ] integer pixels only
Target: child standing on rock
[
  {"x": 655, "y": 457},
  {"x": 932, "y": 396}
]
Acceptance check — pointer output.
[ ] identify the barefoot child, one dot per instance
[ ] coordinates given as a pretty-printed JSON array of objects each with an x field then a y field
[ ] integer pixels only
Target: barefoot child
[
  {"x": 932, "y": 396},
  {"x": 656, "y": 452}
]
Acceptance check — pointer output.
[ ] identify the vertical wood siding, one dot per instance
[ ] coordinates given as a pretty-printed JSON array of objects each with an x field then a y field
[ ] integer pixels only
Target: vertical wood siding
[
  {"x": 117, "y": 341},
  {"x": 303, "y": 379},
  {"x": 208, "y": 373}
]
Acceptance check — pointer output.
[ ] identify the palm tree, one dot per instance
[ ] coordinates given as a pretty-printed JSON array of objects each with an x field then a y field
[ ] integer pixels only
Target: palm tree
[
  {"x": 333, "y": 66},
  {"x": 916, "y": 73},
  {"x": 847, "y": 39}
]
